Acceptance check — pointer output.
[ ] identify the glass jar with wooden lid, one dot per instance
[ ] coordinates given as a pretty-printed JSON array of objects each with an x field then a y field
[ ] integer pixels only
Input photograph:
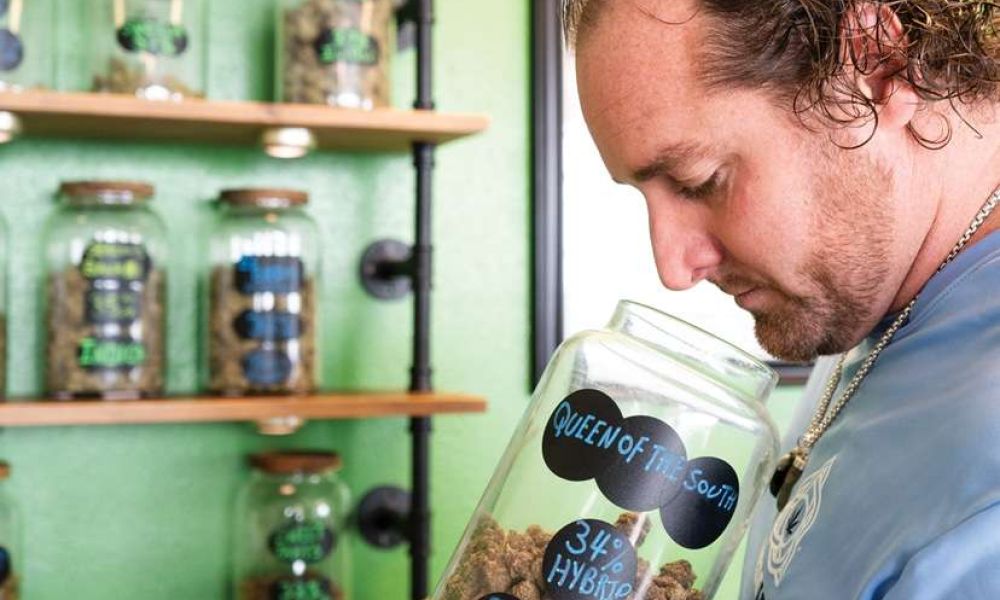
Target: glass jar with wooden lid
[
  {"x": 262, "y": 294},
  {"x": 26, "y": 45},
  {"x": 290, "y": 539},
  {"x": 104, "y": 291},
  {"x": 152, "y": 49},
  {"x": 335, "y": 52}
]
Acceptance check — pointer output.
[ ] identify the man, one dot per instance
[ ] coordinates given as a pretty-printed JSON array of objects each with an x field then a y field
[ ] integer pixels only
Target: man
[{"x": 821, "y": 161}]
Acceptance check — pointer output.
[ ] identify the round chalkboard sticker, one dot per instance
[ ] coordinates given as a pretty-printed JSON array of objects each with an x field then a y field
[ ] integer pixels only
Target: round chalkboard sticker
[
  {"x": 347, "y": 45},
  {"x": 582, "y": 434},
  {"x": 499, "y": 596},
  {"x": 297, "y": 588},
  {"x": 704, "y": 506},
  {"x": 4, "y": 564},
  {"x": 11, "y": 50},
  {"x": 649, "y": 468},
  {"x": 309, "y": 541},
  {"x": 589, "y": 559},
  {"x": 152, "y": 37},
  {"x": 265, "y": 366}
]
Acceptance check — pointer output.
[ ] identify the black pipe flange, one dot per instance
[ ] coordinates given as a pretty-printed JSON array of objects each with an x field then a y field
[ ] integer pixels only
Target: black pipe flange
[{"x": 384, "y": 517}]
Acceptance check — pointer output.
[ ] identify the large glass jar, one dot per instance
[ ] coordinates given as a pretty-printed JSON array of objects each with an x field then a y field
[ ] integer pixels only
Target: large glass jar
[
  {"x": 10, "y": 540},
  {"x": 104, "y": 287},
  {"x": 334, "y": 52},
  {"x": 27, "y": 44},
  {"x": 632, "y": 474},
  {"x": 290, "y": 538},
  {"x": 262, "y": 288},
  {"x": 153, "y": 49}
]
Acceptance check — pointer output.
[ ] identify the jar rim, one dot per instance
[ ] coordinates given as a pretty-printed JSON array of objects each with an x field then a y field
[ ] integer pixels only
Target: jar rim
[
  {"x": 290, "y": 462},
  {"x": 745, "y": 372},
  {"x": 95, "y": 191},
  {"x": 264, "y": 197}
]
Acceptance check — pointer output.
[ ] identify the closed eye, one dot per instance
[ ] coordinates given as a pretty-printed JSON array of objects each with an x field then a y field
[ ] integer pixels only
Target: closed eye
[{"x": 702, "y": 190}]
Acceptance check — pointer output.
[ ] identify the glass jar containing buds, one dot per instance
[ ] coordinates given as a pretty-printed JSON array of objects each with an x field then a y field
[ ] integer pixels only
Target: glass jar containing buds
[
  {"x": 633, "y": 474},
  {"x": 153, "y": 49},
  {"x": 290, "y": 529},
  {"x": 26, "y": 44},
  {"x": 104, "y": 288},
  {"x": 334, "y": 52},
  {"x": 262, "y": 294}
]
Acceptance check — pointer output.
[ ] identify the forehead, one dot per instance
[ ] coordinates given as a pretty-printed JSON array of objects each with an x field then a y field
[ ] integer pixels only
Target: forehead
[{"x": 637, "y": 75}]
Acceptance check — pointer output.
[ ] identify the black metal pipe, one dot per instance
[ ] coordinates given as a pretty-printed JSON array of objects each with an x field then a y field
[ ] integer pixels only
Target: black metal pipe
[
  {"x": 546, "y": 81},
  {"x": 425, "y": 25},
  {"x": 420, "y": 517},
  {"x": 420, "y": 374}
]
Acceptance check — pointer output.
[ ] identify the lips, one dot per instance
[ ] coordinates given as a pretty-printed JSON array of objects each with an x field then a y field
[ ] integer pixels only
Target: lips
[{"x": 745, "y": 299}]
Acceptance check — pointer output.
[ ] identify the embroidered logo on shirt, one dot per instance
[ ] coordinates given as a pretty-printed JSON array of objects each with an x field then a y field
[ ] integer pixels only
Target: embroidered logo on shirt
[{"x": 791, "y": 527}]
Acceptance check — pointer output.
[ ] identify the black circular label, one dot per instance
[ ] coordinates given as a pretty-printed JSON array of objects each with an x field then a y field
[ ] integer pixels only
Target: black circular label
[
  {"x": 270, "y": 325},
  {"x": 648, "y": 469},
  {"x": 704, "y": 506},
  {"x": 637, "y": 462},
  {"x": 589, "y": 559},
  {"x": 581, "y": 435},
  {"x": 499, "y": 596},
  {"x": 4, "y": 564},
  {"x": 302, "y": 588},
  {"x": 115, "y": 261},
  {"x": 346, "y": 45},
  {"x": 266, "y": 367},
  {"x": 11, "y": 50},
  {"x": 309, "y": 541},
  {"x": 153, "y": 37},
  {"x": 274, "y": 274},
  {"x": 640, "y": 464}
]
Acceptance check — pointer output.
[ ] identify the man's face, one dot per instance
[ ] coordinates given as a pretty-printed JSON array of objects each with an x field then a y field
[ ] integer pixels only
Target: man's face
[{"x": 800, "y": 231}]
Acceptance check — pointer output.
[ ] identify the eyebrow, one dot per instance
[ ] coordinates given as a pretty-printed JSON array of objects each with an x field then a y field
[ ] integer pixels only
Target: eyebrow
[{"x": 668, "y": 160}]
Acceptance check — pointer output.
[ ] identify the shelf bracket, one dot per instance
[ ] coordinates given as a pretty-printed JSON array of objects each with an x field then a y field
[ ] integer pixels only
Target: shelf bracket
[
  {"x": 387, "y": 269},
  {"x": 384, "y": 517}
]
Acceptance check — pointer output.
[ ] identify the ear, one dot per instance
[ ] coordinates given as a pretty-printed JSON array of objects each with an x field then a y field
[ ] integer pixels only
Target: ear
[{"x": 873, "y": 52}]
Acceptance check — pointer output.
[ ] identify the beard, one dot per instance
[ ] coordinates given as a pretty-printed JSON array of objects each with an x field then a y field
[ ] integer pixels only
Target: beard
[{"x": 847, "y": 271}]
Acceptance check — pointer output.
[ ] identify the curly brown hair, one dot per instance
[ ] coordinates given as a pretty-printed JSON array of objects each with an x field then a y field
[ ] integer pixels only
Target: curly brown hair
[{"x": 951, "y": 52}]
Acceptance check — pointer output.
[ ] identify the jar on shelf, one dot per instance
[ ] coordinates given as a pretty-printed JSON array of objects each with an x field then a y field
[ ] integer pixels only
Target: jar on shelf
[
  {"x": 634, "y": 471},
  {"x": 334, "y": 52},
  {"x": 290, "y": 535},
  {"x": 10, "y": 539},
  {"x": 262, "y": 294},
  {"x": 27, "y": 44},
  {"x": 104, "y": 287},
  {"x": 153, "y": 49},
  {"x": 3, "y": 309}
]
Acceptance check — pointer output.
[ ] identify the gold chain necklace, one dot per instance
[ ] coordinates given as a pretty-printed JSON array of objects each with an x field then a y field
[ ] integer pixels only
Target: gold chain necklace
[{"x": 791, "y": 465}]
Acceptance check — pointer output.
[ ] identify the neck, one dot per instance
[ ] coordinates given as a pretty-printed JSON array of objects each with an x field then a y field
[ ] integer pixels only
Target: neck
[{"x": 965, "y": 177}]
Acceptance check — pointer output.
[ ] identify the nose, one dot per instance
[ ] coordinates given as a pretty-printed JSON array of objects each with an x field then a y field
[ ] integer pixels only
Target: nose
[{"x": 683, "y": 246}]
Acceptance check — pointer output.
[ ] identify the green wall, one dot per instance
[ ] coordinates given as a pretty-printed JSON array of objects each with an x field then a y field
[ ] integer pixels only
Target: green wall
[{"x": 143, "y": 512}]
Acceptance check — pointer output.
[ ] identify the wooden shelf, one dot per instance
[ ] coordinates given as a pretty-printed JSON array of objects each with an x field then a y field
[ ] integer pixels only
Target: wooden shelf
[
  {"x": 274, "y": 412},
  {"x": 109, "y": 116}
]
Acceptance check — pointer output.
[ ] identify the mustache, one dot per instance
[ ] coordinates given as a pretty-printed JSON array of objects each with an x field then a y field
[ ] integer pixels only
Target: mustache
[{"x": 735, "y": 284}]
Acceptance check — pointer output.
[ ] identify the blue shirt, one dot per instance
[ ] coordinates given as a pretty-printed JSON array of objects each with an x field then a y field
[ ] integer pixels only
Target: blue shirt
[{"x": 900, "y": 499}]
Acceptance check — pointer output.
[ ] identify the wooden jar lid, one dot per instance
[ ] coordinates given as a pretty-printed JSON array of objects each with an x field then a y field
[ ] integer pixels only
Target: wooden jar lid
[
  {"x": 296, "y": 461},
  {"x": 264, "y": 197},
  {"x": 107, "y": 190}
]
